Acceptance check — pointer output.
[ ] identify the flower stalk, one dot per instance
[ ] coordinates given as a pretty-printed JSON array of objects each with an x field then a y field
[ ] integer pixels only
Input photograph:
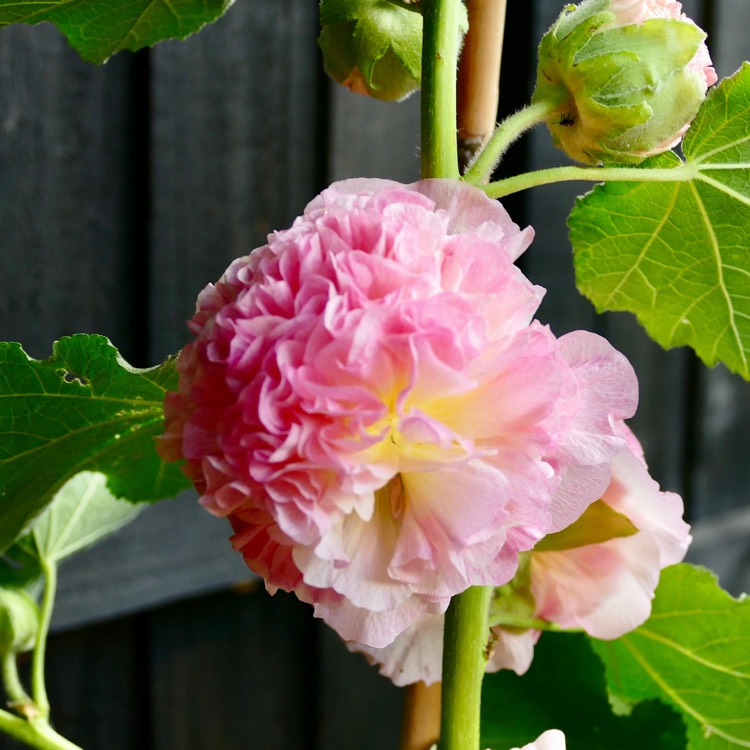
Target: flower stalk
[
  {"x": 439, "y": 63},
  {"x": 38, "y": 687},
  {"x": 499, "y": 189},
  {"x": 464, "y": 662},
  {"x": 509, "y": 130}
]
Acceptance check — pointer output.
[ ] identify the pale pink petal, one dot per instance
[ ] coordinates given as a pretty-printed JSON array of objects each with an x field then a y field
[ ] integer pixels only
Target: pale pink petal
[
  {"x": 607, "y": 588},
  {"x": 416, "y": 655},
  {"x": 513, "y": 650},
  {"x": 552, "y": 739}
]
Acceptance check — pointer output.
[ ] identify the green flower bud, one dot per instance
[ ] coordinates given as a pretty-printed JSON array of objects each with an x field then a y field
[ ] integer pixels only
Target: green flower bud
[
  {"x": 373, "y": 47},
  {"x": 19, "y": 620},
  {"x": 622, "y": 78}
]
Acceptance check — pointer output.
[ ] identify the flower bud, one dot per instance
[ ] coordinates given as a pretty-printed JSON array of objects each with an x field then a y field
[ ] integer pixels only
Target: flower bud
[
  {"x": 623, "y": 78},
  {"x": 19, "y": 619},
  {"x": 373, "y": 47}
]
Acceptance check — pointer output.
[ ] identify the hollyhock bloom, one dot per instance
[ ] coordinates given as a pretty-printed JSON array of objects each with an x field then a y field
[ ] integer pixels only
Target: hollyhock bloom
[
  {"x": 370, "y": 404},
  {"x": 552, "y": 739},
  {"x": 623, "y": 79},
  {"x": 604, "y": 588},
  {"x": 620, "y": 574}
]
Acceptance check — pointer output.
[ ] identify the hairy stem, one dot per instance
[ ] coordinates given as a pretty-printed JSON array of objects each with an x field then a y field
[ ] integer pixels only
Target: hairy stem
[
  {"x": 439, "y": 61},
  {"x": 501, "y": 188},
  {"x": 464, "y": 662},
  {"x": 507, "y": 131}
]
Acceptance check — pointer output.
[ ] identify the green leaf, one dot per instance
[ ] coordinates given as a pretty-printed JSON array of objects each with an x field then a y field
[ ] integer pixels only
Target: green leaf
[
  {"x": 97, "y": 29},
  {"x": 82, "y": 512},
  {"x": 675, "y": 251},
  {"x": 565, "y": 689},
  {"x": 20, "y": 567},
  {"x": 694, "y": 654},
  {"x": 83, "y": 409}
]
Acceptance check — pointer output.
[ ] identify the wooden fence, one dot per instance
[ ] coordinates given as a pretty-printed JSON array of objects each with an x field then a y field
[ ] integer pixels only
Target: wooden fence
[{"x": 124, "y": 189}]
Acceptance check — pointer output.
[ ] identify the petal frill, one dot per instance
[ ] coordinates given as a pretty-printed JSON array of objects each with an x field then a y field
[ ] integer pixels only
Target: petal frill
[
  {"x": 416, "y": 655},
  {"x": 453, "y": 530},
  {"x": 607, "y": 588},
  {"x": 376, "y": 629}
]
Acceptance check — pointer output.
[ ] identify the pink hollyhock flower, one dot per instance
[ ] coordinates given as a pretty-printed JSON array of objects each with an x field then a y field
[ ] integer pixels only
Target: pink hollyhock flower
[
  {"x": 370, "y": 404},
  {"x": 604, "y": 589},
  {"x": 552, "y": 739}
]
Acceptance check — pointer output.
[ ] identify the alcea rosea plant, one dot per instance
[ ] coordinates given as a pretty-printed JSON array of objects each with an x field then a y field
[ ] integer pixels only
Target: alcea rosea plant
[{"x": 392, "y": 436}]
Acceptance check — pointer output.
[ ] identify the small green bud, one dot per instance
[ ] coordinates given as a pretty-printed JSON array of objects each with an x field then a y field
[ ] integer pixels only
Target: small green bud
[
  {"x": 623, "y": 78},
  {"x": 19, "y": 620},
  {"x": 373, "y": 47}
]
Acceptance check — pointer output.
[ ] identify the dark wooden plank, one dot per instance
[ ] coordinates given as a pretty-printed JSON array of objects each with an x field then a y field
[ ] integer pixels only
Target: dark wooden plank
[
  {"x": 236, "y": 148},
  {"x": 233, "y": 671},
  {"x": 358, "y": 707},
  {"x": 95, "y": 683},
  {"x": 65, "y": 260},
  {"x": 370, "y": 138},
  {"x": 235, "y": 153},
  {"x": 172, "y": 550}
]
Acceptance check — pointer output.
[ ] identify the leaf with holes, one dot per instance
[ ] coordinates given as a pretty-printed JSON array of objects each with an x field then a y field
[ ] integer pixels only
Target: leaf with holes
[
  {"x": 83, "y": 409},
  {"x": 97, "y": 29},
  {"x": 676, "y": 251},
  {"x": 693, "y": 654}
]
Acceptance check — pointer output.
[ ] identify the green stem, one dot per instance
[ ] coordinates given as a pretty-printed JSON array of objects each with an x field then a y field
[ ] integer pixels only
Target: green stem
[
  {"x": 38, "y": 687},
  {"x": 501, "y": 188},
  {"x": 507, "y": 131},
  {"x": 13, "y": 688},
  {"x": 464, "y": 641},
  {"x": 508, "y": 620},
  {"x": 439, "y": 62},
  {"x": 37, "y": 733}
]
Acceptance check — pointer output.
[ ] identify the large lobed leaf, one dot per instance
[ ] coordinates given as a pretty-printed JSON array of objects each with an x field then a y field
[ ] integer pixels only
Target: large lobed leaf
[
  {"x": 99, "y": 28},
  {"x": 82, "y": 512},
  {"x": 676, "y": 252},
  {"x": 565, "y": 689},
  {"x": 82, "y": 409},
  {"x": 693, "y": 654}
]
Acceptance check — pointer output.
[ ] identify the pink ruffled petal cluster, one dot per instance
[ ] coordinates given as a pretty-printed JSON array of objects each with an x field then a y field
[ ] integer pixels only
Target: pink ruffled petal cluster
[
  {"x": 369, "y": 402},
  {"x": 605, "y": 589}
]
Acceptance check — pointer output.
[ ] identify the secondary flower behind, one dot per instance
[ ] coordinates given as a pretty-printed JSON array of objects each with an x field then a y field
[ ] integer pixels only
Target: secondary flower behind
[
  {"x": 593, "y": 577},
  {"x": 369, "y": 402}
]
